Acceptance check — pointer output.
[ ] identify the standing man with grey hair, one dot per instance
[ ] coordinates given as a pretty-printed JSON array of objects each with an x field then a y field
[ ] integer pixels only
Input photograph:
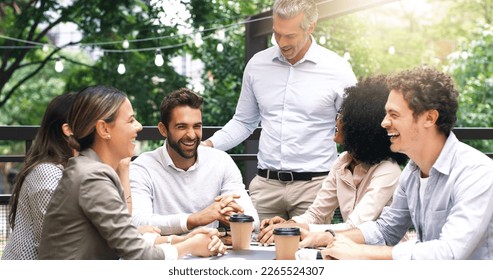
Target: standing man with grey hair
[{"x": 294, "y": 90}]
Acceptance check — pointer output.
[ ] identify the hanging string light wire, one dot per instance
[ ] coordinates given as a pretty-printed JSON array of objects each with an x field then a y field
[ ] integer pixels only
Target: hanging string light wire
[{"x": 82, "y": 45}]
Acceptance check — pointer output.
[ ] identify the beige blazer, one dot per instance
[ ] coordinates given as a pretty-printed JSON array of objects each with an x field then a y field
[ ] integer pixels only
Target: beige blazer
[{"x": 360, "y": 195}]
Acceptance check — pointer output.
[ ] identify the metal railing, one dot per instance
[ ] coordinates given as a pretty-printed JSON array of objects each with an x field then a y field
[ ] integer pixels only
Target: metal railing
[
  {"x": 248, "y": 158},
  {"x": 26, "y": 134}
]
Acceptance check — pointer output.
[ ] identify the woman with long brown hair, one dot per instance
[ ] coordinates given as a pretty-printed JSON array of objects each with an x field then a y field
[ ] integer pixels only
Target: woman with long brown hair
[
  {"x": 87, "y": 217},
  {"x": 38, "y": 179}
]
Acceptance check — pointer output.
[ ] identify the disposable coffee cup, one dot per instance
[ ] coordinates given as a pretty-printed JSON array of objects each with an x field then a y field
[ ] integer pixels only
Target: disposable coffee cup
[
  {"x": 241, "y": 231},
  {"x": 287, "y": 241}
]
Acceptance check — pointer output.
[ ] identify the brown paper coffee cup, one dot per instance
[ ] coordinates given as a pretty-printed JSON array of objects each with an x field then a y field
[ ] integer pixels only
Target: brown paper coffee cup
[
  {"x": 241, "y": 231},
  {"x": 287, "y": 241}
]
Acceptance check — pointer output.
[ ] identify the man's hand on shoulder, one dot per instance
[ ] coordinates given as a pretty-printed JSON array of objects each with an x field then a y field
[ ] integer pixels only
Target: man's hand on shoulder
[{"x": 208, "y": 143}]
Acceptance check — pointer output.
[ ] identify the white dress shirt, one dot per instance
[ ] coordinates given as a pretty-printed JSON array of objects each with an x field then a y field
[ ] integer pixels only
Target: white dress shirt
[{"x": 296, "y": 106}]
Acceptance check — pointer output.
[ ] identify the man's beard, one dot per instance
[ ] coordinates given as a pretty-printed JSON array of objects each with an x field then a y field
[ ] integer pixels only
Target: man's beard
[{"x": 175, "y": 145}]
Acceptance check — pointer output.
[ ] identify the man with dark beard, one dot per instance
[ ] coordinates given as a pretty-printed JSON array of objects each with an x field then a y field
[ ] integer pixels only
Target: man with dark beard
[{"x": 182, "y": 184}]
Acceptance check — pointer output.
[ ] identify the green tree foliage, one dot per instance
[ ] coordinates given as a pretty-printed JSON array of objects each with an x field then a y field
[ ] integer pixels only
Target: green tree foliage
[
  {"x": 468, "y": 24},
  {"x": 23, "y": 66},
  {"x": 31, "y": 21},
  {"x": 461, "y": 17},
  {"x": 472, "y": 69},
  {"x": 223, "y": 69},
  {"x": 383, "y": 39},
  {"x": 418, "y": 38}
]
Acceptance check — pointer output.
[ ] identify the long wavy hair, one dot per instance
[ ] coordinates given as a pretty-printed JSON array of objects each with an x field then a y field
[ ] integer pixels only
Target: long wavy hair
[
  {"x": 49, "y": 146},
  {"x": 362, "y": 112}
]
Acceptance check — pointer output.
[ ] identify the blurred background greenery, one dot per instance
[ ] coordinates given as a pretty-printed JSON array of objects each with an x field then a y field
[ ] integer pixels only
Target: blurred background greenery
[{"x": 202, "y": 44}]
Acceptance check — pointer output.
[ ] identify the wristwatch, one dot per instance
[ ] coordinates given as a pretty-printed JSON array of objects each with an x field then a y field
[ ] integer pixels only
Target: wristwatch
[
  {"x": 331, "y": 232},
  {"x": 170, "y": 239}
]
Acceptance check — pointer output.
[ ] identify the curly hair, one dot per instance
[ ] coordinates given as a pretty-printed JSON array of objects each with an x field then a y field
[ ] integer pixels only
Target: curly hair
[
  {"x": 426, "y": 89},
  {"x": 362, "y": 112}
]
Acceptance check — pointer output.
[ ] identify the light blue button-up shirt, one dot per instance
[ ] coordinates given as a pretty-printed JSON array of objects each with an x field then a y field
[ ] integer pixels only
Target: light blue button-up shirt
[
  {"x": 455, "y": 220},
  {"x": 296, "y": 106}
]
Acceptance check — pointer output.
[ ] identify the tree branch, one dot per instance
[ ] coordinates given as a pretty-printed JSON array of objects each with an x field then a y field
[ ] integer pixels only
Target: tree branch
[
  {"x": 41, "y": 65},
  {"x": 27, "y": 77},
  {"x": 34, "y": 26}
]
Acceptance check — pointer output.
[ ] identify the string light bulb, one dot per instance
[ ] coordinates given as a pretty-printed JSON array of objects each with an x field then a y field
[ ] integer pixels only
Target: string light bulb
[
  {"x": 45, "y": 48},
  {"x": 322, "y": 40},
  {"x": 159, "y": 61},
  {"x": 221, "y": 34},
  {"x": 347, "y": 55},
  {"x": 58, "y": 65},
  {"x": 220, "y": 47},
  {"x": 391, "y": 50},
  {"x": 198, "y": 40},
  {"x": 125, "y": 44},
  {"x": 121, "y": 68}
]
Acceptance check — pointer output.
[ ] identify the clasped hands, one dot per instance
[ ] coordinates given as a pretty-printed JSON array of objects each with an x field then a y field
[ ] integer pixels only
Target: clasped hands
[
  {"x": 227, "y": 206},
  {"x": 209, "y": 236},
  {"x": 201, "y": 242},
  {"x": 220, "y": 210}
]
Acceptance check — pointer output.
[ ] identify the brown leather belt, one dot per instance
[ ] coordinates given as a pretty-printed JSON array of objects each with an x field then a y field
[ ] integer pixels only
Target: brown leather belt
[{"x": 289, "y": 176}]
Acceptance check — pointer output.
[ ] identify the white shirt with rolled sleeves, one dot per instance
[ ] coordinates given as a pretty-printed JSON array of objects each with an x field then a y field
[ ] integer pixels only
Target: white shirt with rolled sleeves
[
  {"x": 296, "y": 106},
  {"x": 164, "y": 195},
  {"x": 456, "y": 219}
]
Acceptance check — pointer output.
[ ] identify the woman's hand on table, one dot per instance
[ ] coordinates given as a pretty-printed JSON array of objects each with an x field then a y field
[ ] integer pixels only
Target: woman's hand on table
[
  {"x": 267, "y": 226},
  {"x": 315, "y": 239},
  {"x": 215, "y": 245},
  {"x": 204, "y": 245}
]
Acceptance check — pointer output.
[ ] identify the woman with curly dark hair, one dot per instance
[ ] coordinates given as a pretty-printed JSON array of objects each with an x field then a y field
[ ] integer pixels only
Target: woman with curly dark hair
[{"x": 364, "y": 177}]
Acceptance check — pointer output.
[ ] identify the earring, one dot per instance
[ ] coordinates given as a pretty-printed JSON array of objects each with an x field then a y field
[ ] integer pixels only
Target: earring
[{"x": 108, "y": 137}]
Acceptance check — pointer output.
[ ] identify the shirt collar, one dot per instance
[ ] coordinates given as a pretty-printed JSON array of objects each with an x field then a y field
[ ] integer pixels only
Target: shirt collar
[
  {"x": 310, "y": 55},
  {"x": 443, "y": 164},
  {"x": 346, "y": 159},
  {"x": 169, "y": 161}
]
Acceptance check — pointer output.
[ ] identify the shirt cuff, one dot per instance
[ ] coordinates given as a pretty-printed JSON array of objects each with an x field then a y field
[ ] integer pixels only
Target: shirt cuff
[
  {"x": 170, "y": 252},
  {"x": 300, "y": 220},
  {"x": 183, "y": 222},
  {"x": 404, "y": 250},
  {"x": 371, "y": 233},
  {"x": 150, "y": 238},
  {"x": 216, "y": 142}
]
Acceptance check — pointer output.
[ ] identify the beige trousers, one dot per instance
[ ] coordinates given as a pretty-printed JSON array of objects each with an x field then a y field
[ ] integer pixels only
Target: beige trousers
[{"x": 284, "y": 199}]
